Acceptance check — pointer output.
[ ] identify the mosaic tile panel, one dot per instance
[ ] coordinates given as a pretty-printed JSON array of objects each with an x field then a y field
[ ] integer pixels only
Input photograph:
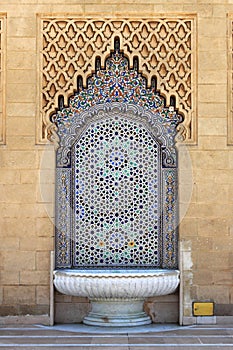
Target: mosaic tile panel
[
  {"x": 165, "y": 47},
  {"x": 170, "y": 222},
  {"x": 63, "y": 237},
  {"x": 117, "y": 180}
]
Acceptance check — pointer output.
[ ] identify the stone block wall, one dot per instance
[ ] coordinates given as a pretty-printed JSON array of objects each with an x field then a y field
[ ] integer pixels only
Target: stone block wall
[{"x": 26, "y": 174}]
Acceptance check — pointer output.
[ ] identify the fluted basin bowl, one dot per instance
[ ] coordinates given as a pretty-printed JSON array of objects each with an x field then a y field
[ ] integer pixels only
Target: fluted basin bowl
[{"x": 116, "y": 296}]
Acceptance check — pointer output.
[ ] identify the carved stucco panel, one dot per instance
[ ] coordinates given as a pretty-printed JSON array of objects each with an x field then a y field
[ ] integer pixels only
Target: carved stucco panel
[{"x": 165, "y": 47}]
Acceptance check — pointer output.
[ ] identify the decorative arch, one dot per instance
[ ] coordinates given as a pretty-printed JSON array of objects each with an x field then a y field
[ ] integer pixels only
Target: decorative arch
[{"x": 116, "y": 94}]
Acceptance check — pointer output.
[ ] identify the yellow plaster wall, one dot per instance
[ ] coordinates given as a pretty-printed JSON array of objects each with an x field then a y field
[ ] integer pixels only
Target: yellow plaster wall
[{"x": 206, "y": 231}]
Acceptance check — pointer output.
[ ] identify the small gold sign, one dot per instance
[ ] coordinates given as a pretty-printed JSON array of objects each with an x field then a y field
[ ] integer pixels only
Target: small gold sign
[{"x": 203, "y": 309}]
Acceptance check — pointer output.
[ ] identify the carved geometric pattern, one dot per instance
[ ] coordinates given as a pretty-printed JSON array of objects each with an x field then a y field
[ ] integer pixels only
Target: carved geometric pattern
[
  {"x": 164, "y": 46},
  {"x": 170, "y": 214},
  {"x": 2, "y": 78},
  {"x": 230, "y": 81},
  {"x": 116, "y": 180}
]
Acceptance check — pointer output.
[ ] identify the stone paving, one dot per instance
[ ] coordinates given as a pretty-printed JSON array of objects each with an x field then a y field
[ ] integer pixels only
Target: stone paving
[{"x": 164, "y": 337}]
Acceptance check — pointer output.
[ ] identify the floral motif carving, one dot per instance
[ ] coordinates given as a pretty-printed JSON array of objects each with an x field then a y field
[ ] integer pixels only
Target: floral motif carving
[
  {"x": 63, "y": 222},
  {"x": 164, "y": 47},
  {"x": 170, "y": 242}
]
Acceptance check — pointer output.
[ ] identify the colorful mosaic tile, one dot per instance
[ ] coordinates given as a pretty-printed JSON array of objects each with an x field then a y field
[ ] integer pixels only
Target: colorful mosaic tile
[
  {"x": 63, "y": 218},
  {"x": 117, "y": 83},
  {"x": 170, "y": 218},
  {"x": 117, "y": 215}
]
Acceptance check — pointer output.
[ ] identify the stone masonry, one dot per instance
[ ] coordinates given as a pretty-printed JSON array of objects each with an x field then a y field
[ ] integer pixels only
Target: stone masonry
[{"x": 27, "y": 179}]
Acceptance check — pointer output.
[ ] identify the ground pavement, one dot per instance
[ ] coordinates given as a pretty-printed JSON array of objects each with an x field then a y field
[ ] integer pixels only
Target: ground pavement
[{"x": 166, "y": 337}]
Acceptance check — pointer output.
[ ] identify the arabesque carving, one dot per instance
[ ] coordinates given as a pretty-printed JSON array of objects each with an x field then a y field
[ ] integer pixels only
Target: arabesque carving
[
  {"x": 2, "y": 79},
  {"x": 164, "y": 47}
]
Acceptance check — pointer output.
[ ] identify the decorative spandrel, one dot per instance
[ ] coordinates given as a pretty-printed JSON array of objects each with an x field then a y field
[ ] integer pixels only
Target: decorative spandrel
[{"x": 117, "y": 190}]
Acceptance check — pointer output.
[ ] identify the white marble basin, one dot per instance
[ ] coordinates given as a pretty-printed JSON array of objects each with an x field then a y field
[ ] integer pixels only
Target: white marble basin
[{"x": 117, "y": 296}]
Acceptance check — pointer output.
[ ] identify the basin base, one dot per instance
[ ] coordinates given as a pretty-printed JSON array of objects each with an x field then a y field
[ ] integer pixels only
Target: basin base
[
  {"x": 117, "y": 313},
  {"x": 116, "y": 296}
]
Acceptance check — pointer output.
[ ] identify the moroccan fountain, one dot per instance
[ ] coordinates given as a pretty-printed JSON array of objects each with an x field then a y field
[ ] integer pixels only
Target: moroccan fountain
[{"x": 116, "y": 195}]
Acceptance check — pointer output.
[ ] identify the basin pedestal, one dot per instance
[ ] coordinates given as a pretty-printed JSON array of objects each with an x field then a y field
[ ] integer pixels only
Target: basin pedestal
[{"x": 117, "y": 312}]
